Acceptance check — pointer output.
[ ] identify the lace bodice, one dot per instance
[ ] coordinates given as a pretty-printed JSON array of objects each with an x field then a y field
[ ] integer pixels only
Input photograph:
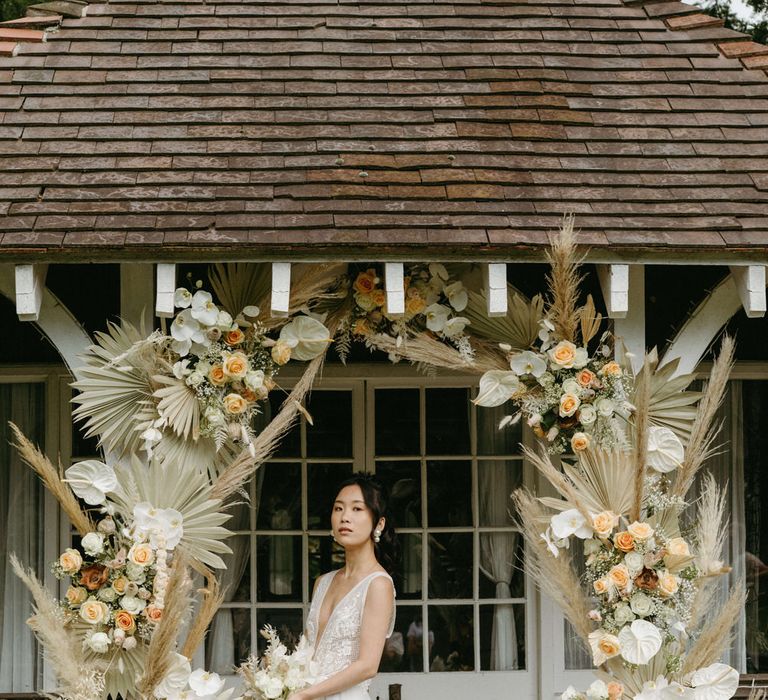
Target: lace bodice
[{"x": 339, "y": 644}]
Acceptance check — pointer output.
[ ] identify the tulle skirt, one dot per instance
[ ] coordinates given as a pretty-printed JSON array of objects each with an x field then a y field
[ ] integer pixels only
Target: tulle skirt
[{"x": 356, "y": 692}]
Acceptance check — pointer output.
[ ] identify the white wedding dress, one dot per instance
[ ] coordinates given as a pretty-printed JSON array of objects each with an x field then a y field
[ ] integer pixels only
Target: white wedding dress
[{"x": 339, "y": 644}]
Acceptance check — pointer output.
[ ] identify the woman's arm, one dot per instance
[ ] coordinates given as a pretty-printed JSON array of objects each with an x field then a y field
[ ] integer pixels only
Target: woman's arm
[{"x": 373, "y": 632}]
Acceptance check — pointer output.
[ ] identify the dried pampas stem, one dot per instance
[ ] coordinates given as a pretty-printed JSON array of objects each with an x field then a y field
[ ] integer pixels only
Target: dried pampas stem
[
  {"x": 642, "y": 400},
  {"x": 563, "y": 281},
  {"x": 213, "y": 597},
  {"x": 703, "y": 432},
  {"x": 50, "y": 476}
]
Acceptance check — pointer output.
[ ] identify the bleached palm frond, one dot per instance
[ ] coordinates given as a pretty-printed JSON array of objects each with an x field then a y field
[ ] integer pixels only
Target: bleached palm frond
[
  {"x": 631, "y": 676},
  {"x": 179, "y": 406},
  {"x": 238, "y": 285},
  {"x": 601, "y": 479},
  {"x": 590, "y": 321},
  {"x": 563, "y": 282},
  {"x": 519, "y": 328},
  {"x": 171, "y": 484}
]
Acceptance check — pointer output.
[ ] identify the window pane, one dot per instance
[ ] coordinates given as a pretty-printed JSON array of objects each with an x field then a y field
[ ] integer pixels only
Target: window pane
[
  {"x": 409, "y": 580},
  {"x": 279, "y": 507},
  {"x": 237, "y": 576},
  {"x": 502, "y": 637},
  {"x": 496, "y": 480},
  {"x": 331, "y": 434},
  {"x": 290, "y": 443},
  {"x": 324, "y": 555},
  {"x": 450, "y": 565},
  {"x": 449, "y": 494},
  {"x": 403, "y": 479},
  {"x": 289, "y": 623},
  {"x": 491, "y": 440},
  {"x": 278, "y": 567},
  {"x": 454, "y": 646},
  {"x": 447, "y": 421},
  {"x": 397, "y": 422},
  {"x": 322, "y": 486},
  {"x": 228, "y": 642},
  {"x": 402, "y": 651},
  {"x": 501, "y": 565}
]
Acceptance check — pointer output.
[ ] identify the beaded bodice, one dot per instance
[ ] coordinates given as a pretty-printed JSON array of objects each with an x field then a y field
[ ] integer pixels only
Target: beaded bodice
[{"x": 339, "y": 644}]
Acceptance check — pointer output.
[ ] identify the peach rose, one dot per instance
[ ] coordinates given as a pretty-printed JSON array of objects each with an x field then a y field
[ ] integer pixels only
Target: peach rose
[
  {"x": 379, "y": 297},
  {"x": 76, "y": 595},
  {"x": 678, "y": 547},
  {"x": 94, "y": 576},
  {"x": 415, "y": 305},
  {"x": 235, "y": 404},
  {"x": 668, "y": 584},
  {"x": 281, "y": 353},
  {"x": 569, "y": 403},
  {"x": 601, "y": 586},
  {"x": 640, "y": 531},
  {"x": 141, "y": 554},
  {"x": 585, "y": 377},
  {"x": 234, "y": 337},
  {"x": 624, "y": 541},
  {"x": 236, "y": 365},
  {"x": 563, "y": 354},
  {"x": 120, "y": 584},
  {"x": 609, "y": 645},
  {"x": 94, "y": 612},
  {"x": 580, "y": 442},
  {"x": 365, "y": 282},
  {"x": 70, "y": 561},
  {"x": 603, "y": 523},
  {"x": 125, "y": 621},
  {"x": 216, "y": 375},
  {"x": 619, "y": 576},
  {"x": 611, "y": 368},
  {"x": 153, "y": 613},
  {"x": 615, "y": 690}
]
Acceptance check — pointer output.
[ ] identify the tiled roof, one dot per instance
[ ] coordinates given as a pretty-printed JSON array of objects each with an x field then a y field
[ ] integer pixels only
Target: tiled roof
[{"x": 160, "y": 129}]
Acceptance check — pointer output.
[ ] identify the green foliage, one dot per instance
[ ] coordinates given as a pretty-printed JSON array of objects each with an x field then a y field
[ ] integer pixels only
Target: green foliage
[
  {"x": 13, "y": 9},
  {"x": 758, "y": 30}
]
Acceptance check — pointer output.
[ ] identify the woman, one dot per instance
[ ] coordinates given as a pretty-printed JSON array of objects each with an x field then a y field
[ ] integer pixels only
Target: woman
[{"x": 353, "y": 608}]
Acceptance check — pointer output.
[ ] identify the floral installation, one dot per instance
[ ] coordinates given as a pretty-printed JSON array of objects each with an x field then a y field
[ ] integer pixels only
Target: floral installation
[{"x": 278, "y": 672}]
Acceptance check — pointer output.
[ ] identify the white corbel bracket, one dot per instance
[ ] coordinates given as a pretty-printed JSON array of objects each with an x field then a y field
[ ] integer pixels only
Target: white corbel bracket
[
  {"x": 166, "y": 288},
  {"x": 750, "y": 281},
  {"x": 30, "y": 283},
  {"x": 394, "y": 285},
  {"x": 495, "y": 279},
  {"x": 614, "y": 281},
  {"x": 281, "y": 290}
]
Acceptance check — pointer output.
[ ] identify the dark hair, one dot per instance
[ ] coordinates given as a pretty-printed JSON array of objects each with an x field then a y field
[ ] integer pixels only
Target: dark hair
[{"x": 376, "y": 497}]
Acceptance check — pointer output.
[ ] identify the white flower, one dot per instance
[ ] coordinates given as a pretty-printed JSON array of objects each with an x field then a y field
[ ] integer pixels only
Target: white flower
[
  {"x": 184, "y": 326},
  {"x": 203, "y": 308},
  {"x": 214, "y": 416},
  {"x": 597, "y": 691},
  {"x": 554, "y": 545},
  {"x": 571, "y": 386},
  {"x": 98, "y": 642},
  {"x": 455, "y": 326},
  {"x": 150, "y": 521},
  {"x": 306, "y": 336},
  {"x": 641, "y": 604},
  {"x": 205, "y": 683},
  {"x": 91, "y": 480},
  {"x": 254, "y": 380},
  {"x": 182, "y": 298},
  {"x": 623, "y": 614},
  {"x": 107, "y": 594},
  {"x": 438, "y": 270},
  {"x": 251, "y": 311},
  {"x": 135, "y": 572},
  {"x": 528, "y": 362},
  {"x": 176, "y": 677},
  {"x": 570, "y": 522},
  {"x": 273, "y": 688},
  {"x": 195, "y": 379},
  {"x": 587, "y": 414},
  {"x": 457, "y": 296},
  {"x": 93, "y": 543},
  {"x": 665, "y": 450},
  {"x": 437, "y": 316},
  {"x": 592, "y": 546},
  {"x": 640, "y": 642},
  {"x": 151, "y": 436},
  {"x": 224, "y": 321},
  {"x": 581, "y": 359},
  {"x": 181, "y": 347},
  {"x": 132, "y": 604},
  {"x": 715, "y": 682},
  {"x": 496, "y": 387},
  {"x": 605, "y": 407},
  {"x": 571, "y": 694},
  {"x": 634, "y": 562}
]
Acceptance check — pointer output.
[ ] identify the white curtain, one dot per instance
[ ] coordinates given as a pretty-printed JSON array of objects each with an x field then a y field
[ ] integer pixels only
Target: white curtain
[
  {"x": 496, "y": 481},
  {"x": 21, "y": 509}
]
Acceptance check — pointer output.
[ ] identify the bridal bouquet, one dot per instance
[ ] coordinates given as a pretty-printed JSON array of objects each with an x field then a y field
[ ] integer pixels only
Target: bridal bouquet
[{"x": 279, "y": 673}]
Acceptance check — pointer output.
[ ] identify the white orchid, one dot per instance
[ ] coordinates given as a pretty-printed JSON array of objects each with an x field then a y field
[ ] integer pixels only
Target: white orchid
[
  {"x": 528, "y": 362},
  {"x": 554, "y": 545},
  {"x": 457, "y": 296},
  {"x": 184, "y": 326},
  {"x": 152, "y": 522},
  {"x": 182, "y": 298},
  {"x": 437, "y": 316},
  {"x": 455, "y": 326},
  {"x": 437, "y": 270},
  {"x": 203, "y": 308},
  {"x": 570, "y": 522}
]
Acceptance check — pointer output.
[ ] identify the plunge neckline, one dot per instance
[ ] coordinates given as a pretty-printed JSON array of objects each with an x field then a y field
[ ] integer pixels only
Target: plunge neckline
[{"x": 321, "y": 635}]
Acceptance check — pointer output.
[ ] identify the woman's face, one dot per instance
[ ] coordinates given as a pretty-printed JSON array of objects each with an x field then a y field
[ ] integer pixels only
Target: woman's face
[{"x": 351, "y": 520}]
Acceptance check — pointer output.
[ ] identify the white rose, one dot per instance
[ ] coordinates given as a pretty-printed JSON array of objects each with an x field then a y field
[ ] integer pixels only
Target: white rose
[
  {"x": 581, "y": 359},
  {"x": 107, "y": 594},
  {"x": 195, "y": 379},
  {"x": 634, "y": 562},
  {"x": 132, "y": 604},
  {"x": 623, "y": 614},
  {"x": 106, "y": 526},
  {"x": 570, "y": 694},
  {"x": 254, "y": 380},
  {"x": 605, "y": 407},
  {"x": 214, "y": 416},
  {"x": 98, "y": 642},
  {"x": 571, "y": 386},
  {"x": 587, "y": 414},
  {"x": 93, "y": 543},
  {"x": 641, "y": 604},
  {"x": 273, "y": 688},
  {"x": 592, "y": 546},
  {"x": 129, "y": 643}
]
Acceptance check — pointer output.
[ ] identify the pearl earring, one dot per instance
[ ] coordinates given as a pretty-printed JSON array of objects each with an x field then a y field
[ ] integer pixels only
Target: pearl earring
[
  {"x": 377, "y": 535},
  {"x": 332, "y": 536}
]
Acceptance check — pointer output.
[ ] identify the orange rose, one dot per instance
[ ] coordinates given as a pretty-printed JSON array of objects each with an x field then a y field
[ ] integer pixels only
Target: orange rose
[
  {"x": 624, "y": 541},
  {"x": 153, "y": 613},
  {"x": 365, "y": 283},
  {"x": 615, "y": 690},
  {"x": 585, "y": 377},
  {"x": 640, "y": 531},
  {"x": 216, "y": 375},
  {"x": 234, "y": 337},
  {"x": 604, "y": 522},
  {"x": 379, "y": 297},
  {"x": 601, "y": 586},
  {"x": 612, "y": 368},
  {"x": 141, "y": 554},
  {"x": 580, "y": 442},
  {"x": 415, "y": 305},
  {"x": 281, "y": 353},
  {"x": 94, "y": 576},
  {"x": 361, "y": 327},
  {"x": 619, "y": 576},
  {"x": 125, "y": 621},
  {"x": 609, "y": 645},
  {"x": 70, "y": 561}
]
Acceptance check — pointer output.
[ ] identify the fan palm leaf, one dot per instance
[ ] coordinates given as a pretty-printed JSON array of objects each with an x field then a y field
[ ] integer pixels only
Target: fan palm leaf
[
  {"x": 238, "y": 285},
  {"x": 519, "y": 328},
  {"x": 178, "y": 405}
]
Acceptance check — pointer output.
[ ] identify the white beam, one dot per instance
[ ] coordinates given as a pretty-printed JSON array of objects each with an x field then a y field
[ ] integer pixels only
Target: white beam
[
  {"x": 281, "y": 289},
  {"x": 750, "y": 281},
  {"x": 496, "y": 284},
  {"x": 394, "y": 285},
  {"x": 614, "y": 281},
  {"x": 630, "y": 328},
  {"x": 165, "y": 289},
  {"x": 30, "y": 283}
]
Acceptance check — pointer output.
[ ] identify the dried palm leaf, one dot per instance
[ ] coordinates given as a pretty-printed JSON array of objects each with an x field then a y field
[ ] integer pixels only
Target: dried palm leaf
[
  {"x": 179, "y": 406},
  {"x": 633, "y": 677},
  {"x": 238, "y": 285},
  {"x": 52, "y": 480},
  {"x": 590, "y": 321},
  {"x": 563, "y": 282},
  {"x": 212, "y": 598},
  {"x": 519, "y": 328},
  {"x": 640, "y": 430},
  {"x": 701, "y": 444}
]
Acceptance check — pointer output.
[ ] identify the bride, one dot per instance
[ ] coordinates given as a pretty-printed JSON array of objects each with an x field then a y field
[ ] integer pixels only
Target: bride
[{"x": 353, "y": 608}]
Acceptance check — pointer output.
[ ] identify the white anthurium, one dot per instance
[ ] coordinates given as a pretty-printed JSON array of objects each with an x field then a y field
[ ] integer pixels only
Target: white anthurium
[
  {"x": 496, "y": 387},
  {"x": 665, "y": 449},
  {"x": 184, "y": 326},
  {"x": 662, "y": 689},
  {"x": 91, "y": 480},
  {"x": 640, "y": 642},
  {"x": 437, "y": 316},
  {"x": 205, "y": 682},
  {"x": 570, "y": 522},
  {"x": 203, "y": 308},
  {"x": 438, "y": 270},
  {"x": 457, "y": 296},
  {"x": 528, "y": 362},
  {"x": 307, "y": 338},
  {"x": 715, "y": 682},
  {"x": 455, "y": 326},
  {"x": 175, "y": 679},
  {"x": 182, "y": 298}
]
